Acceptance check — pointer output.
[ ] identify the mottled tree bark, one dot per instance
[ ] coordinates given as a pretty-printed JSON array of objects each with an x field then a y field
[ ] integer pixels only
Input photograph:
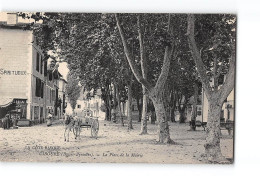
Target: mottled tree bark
[
  {"x": 129, "y": 105},
  {"x": 119, "y": 106},
  {"x": 144, "y": 114},
  {"x": 194, "y": 108},
  {"x": 144, "y": 75},
  {"x": 212, "y": 146},
  {"x": 156, "y": 92},
  {"x": 215, "y": 97},
  {"x": 139, "y": 109},
  {"x": 172, "y": 114},
  {"x": 163, "y": 127},
  {"x": 182, "y": 115}
]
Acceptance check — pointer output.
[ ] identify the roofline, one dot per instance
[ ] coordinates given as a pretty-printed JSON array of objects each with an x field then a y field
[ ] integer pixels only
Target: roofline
[{"x": 23, "y": 26}]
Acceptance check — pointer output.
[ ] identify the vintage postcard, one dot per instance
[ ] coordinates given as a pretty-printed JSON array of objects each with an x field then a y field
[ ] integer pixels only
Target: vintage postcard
[{"x": 117, "y": 87}]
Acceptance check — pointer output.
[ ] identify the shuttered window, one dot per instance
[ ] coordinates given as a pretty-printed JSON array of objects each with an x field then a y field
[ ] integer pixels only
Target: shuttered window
[
  {"x": 37, "y": 62},
  {"x": 42, "y": 89},
  {"x": 41, "y": 65},
  {"x": 38, "y": 87}
]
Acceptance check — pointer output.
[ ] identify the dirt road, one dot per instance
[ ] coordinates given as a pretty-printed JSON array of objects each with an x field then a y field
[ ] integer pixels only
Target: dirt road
[{"x": 114, "y": 144}]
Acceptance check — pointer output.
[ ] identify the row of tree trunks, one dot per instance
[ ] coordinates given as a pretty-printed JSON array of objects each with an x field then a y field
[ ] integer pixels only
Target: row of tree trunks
[{"x": 154, "y": 92}]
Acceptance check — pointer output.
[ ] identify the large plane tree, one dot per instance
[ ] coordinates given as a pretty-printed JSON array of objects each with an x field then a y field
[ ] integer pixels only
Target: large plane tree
[{"x": 212, "y": 44}]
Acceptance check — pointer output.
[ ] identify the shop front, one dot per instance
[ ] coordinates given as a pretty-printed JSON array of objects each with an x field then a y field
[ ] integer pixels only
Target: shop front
[{"x": 16, "y": 108}]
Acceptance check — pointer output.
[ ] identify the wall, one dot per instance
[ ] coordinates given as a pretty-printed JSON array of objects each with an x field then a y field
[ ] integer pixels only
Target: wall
[{"x": 15, "y": 56}]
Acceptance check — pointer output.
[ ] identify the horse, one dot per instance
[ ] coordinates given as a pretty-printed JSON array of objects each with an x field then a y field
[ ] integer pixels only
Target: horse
[
  {"x": 77, "y": 128},
  {"x": 72, "y": 125}
]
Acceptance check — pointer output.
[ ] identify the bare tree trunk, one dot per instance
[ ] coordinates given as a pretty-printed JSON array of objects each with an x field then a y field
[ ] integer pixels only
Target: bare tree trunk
[
  {"x": 172, "y": 114},
  {"x": 182, "y": 115},
  {"x": 119, "y": 106},
  {"x": 144, "y": 75},
  {"x": 155, "y": 93},
  {"x": 212, "y": 146},
  {"x": 139, "y": 109},
  {"x": 144, "y": 114},
  {"x": 114, "y": 104},
  {"x": 194, "y": 108},
  {"x": 163, "y": 127},
  {"x": 153, "y": 117},
  {"x": 108, "y": 114},
  {"x": 216, "y": 98},
  {"x": 129, "y": 107}
]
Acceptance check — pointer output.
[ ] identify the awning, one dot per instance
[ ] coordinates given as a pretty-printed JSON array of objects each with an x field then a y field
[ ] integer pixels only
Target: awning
[{"x": 4, "y": 102}]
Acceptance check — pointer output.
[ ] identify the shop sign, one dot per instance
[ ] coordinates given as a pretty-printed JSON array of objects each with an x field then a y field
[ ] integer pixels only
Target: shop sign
[
  {"x": 20, "y": 101},
  {"x": 11, "y": 72}
]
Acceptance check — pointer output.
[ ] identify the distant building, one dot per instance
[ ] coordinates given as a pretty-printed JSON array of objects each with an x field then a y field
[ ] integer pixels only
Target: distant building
[
  {"x": 28, "y": 80},
  {"x": 80, "y": 106},
  {"x": 94, "y": 102},
  {"x": 227, "y": 112},
  {"x": 62, "y": 97}
]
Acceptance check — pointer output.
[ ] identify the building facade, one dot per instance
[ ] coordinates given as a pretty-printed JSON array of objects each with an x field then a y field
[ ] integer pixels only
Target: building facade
[
  {"x": 28, "y": 84},
  {"x": 62, "y": 98}
]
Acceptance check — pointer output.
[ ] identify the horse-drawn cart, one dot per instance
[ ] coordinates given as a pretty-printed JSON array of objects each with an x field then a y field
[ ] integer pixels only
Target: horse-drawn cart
[{"x": 92, "y": 123}]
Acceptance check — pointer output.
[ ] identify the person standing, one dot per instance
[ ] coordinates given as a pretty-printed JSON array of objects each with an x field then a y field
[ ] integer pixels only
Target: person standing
[
  {"x": 4, "y": 122},
  {"x": 7, "y": 121},
  {"x": 49, "y": 119}
]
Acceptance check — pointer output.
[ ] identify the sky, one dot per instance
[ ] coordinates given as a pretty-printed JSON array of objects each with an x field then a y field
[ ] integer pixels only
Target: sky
[{"x": 63, "y": 69}]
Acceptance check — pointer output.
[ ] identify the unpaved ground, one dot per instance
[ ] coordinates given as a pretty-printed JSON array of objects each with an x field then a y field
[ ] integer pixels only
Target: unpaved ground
[{"x": 114, "y": 144}]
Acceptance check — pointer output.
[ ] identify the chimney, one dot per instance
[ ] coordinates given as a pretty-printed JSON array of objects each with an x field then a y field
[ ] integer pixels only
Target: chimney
[{"x": 12, "y": 18}]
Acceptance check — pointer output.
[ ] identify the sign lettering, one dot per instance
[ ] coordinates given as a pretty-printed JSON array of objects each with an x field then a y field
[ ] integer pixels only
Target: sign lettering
[{"x": 12, "y": 72}]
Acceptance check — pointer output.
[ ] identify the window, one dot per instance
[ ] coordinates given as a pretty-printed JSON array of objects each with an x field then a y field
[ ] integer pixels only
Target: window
[
  {"x": 42, "y": 89},
  {"x": 45, "y": 68},
  {"x": 37, "y": 62},
  {"x": 38, "y": 87},
  {"x": 41, "y": 65},
  {"x": 79, "y": 106}
]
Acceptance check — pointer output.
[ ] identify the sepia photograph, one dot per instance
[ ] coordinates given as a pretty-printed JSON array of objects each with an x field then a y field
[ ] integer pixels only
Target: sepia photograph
[{"x": 117, "y": 87}]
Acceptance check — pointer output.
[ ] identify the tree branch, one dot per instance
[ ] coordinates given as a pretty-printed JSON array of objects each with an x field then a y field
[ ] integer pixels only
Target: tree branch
[
  {"x": 229, "y": 83},
  {"x": 196, "y": 56},
  {"x": 129, "y": 57},
  {"x": 142, "y": 51},
  {"x": 166, "y": 61},
  {"x": 215, "y": 78}
]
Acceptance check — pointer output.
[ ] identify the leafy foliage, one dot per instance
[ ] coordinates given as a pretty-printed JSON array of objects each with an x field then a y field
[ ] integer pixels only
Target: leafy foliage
[{"x": 72, "y": 89}]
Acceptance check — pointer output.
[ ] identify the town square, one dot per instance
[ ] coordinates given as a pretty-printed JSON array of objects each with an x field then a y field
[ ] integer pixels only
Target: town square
[{"x": 117, "y": 88}]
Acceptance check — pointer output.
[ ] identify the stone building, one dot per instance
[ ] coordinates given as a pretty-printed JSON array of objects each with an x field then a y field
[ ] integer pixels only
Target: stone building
[{"x": 28, "y": 80}]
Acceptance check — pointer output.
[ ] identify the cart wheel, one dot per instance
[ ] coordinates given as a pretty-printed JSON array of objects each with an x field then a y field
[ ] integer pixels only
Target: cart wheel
[{"x": 94, "y": 128}]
